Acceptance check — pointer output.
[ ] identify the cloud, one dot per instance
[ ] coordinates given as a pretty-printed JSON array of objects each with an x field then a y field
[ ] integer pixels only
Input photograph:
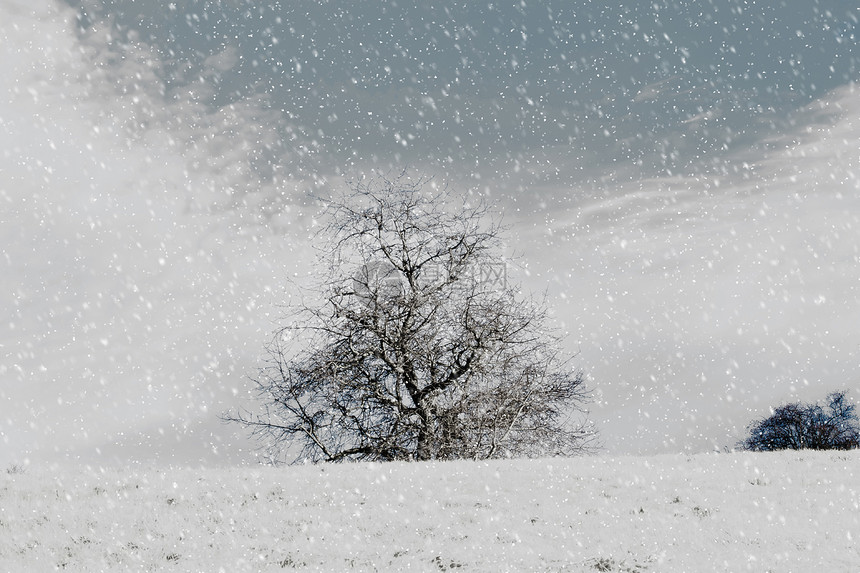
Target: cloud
[
  {"x": 223, "y": 61},
  {"x": 695, "y": 301},
  {"x": 130, "y": 276}
]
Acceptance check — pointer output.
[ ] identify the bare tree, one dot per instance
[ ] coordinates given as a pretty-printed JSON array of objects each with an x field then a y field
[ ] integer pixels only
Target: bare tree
[
  {"x": 807, "y": 426},
  {"x": 420, "y": 349}
]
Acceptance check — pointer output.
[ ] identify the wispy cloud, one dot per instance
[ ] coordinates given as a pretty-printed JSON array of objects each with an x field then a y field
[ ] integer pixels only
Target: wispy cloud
[
  {"x": 695, "y": 301},
  {"x": 130, "y": 300}
]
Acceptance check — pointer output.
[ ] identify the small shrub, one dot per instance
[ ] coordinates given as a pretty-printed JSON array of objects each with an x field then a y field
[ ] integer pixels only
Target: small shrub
[
  {"x": 15, "y": 469},
  {"x": 801, "y": 426}
]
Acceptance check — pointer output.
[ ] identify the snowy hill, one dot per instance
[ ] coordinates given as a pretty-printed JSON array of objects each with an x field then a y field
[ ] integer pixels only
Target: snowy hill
[{"x": 776, "y": 512}]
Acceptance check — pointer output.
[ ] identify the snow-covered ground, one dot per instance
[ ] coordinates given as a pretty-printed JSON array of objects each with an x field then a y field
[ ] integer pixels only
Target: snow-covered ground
[{"x": 775, "y": 512}]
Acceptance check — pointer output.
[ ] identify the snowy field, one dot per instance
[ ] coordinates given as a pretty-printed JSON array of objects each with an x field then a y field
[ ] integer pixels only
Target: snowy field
[{"x": 777, "y": 512}]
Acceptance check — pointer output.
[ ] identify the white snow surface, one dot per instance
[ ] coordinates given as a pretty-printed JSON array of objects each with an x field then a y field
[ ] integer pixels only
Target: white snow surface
[{"x": 775, "y": 512}]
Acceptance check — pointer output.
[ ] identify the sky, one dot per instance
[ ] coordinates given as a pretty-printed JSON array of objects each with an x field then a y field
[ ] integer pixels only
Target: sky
[{"x": 680, "y": 179}]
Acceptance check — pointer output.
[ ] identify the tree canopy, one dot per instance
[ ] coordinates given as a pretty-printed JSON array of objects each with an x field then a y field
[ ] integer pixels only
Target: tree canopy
[{"x": 421, "y": 348}]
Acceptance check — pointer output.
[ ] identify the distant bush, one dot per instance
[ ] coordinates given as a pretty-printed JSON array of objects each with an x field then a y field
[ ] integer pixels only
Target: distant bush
[{"x": 801, "y": 426}]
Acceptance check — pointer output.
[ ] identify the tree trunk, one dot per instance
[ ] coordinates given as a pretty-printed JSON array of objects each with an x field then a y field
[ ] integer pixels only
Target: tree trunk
[{"x": 424, "y": 451}]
